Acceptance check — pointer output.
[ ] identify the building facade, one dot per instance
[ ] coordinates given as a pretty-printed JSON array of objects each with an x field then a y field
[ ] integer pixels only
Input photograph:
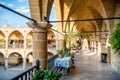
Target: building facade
[{"x": 16, "y": 46}]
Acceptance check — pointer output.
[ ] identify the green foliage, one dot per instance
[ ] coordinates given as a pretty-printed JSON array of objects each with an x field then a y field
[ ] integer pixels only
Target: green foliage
[
  {"x": 45, "y": 74},
  {"x": 59, "y": 51},
  {"x": 28, "y": 41},
  {"x": 77, "y": 34},
  {"x": 115, "y": 39},
  {"x": 72, "y": 45},
  {"x": 2, "y": 41},
  {"x": 67, "y": 52}
]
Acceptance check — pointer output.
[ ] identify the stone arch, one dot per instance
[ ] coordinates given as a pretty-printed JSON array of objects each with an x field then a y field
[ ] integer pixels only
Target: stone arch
[
  {"x": 96, "y": 15},
  {"x": 15, "y": 59},
  {"x": 29, "y": 59},
  {"x": 50, "y": 54},
  {"x": 29, "y": 40},
  {"x": 1, "y": 58},
  {"x": 15, "y": 39},
  {"x": 51, "y": 39},
  {"x": 2, "y": 40},
  {"x": 2, "y": 35}
]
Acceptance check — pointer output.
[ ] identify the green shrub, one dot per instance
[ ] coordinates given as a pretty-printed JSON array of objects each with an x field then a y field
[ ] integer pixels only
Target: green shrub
[
  {"x": 115, "y": 39},
  {"x": 45, "y": 74},
  {"x": 59, "y": 51},
  {"x": 67, "y": 52},
  {"x": 2, "y": 41}
]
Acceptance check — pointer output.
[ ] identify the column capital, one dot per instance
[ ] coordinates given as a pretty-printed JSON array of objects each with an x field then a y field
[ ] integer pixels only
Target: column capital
[{"x": 45, "y": 25}]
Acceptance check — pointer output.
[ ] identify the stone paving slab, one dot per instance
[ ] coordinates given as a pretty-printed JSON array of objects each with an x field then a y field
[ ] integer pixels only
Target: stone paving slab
[
  {"x": 10, "y": 72},
  {"x": 89, "y": 67}
]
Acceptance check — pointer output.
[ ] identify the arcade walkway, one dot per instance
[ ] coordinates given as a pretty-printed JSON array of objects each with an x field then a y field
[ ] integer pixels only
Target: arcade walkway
[{"x": 89, "y": 67}]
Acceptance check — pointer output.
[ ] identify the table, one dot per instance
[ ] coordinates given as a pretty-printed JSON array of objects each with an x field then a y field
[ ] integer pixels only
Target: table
[{"x": 63, "y": 62}]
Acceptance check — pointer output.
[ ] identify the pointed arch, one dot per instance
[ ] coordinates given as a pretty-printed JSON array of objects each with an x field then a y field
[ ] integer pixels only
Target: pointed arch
[
  {"x": 1, "y": 59},
  {"x": 15, "y": 59},
  {"x": 15, "y": 39}
]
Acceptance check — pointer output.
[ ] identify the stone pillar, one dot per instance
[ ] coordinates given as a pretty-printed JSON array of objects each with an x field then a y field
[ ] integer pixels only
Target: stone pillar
[
  {"x": 109, "y": 55},
  {"x": 6, "y": 63},
  {"x": 60, "y": 43},
  {"x": 25, "y": 43},
  {"x": 103, "y": 44},
  {"x": 24, "y": 63},
  {"x": 97, "y": 39},
  {"x": 6, "y": 43},
  {"x": 40, "y": 43},
  {"x": 93, "y": 43}
]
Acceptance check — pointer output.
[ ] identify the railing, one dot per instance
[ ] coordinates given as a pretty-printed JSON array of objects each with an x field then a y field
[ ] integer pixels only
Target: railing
[
  {"x": 2, "y": 45},
  {"x": 15, "y": 45},
  {"x": 29, "y": 46},
  {"x": 28, "y": 74},
  {"x": 51, "y": 47},
  {"x": 51, "y": 61}
]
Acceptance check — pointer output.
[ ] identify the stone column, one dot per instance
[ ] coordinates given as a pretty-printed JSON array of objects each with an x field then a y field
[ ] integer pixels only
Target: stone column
[
  {"x": 25, "y": 43},
  {"x": 6, "y": 63},
  {"x": 93, "y": 43},
  {"x": 40, "y": 43},
  {"x": 60, "y": 43},
  {"x": 24, "y": 63},
  {"x": 97, "y": 39},
  {"x": 6, "y": 43},
  {"x": 109, "y": 55},
  {"x": 103, "y": 44}
]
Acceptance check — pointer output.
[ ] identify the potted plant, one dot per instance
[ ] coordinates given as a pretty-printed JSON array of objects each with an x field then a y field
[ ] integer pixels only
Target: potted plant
[
  {"x": 67, "y": 52},
  {"x": 60, "y": 53}
]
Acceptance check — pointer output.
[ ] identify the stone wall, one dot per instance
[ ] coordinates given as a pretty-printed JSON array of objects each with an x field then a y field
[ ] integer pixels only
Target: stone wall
[{"x": 115, "y": 61}]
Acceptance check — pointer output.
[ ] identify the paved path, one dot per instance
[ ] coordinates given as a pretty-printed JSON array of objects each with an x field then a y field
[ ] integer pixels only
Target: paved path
[
  {"x": 10, "y": 73},
  {"x": 7, "y": 74},
  {"x": 89, "y": 67}
]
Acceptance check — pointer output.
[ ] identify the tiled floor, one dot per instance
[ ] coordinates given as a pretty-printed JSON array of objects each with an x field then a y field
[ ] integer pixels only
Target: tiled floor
[{"x": 89, "y": 67}]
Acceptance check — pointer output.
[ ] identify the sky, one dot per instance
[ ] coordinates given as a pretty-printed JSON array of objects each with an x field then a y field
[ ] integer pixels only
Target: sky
[{"x": 22, "y": 6}]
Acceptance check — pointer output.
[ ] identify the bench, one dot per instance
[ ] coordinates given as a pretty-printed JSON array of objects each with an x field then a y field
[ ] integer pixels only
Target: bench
[
  {"x": 56, "y": 70},
  {"x": 61, "y": 70}
]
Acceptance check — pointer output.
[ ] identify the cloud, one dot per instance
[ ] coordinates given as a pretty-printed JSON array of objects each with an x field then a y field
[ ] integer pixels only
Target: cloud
[
  {"x": 52, "y": 19},
  {"x": 2, "y": 2},
  {"x": 10, "y": 5},
  {"x": 7, "y": 4},
  {"x": 23, "y": 9},
  {"x": 53, "y": 5},
  {"x": 20, "y": 0},
  {"x": 0, "y": 8}
]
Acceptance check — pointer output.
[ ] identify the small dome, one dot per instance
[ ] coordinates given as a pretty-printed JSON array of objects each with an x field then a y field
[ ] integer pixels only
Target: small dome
[{"x": 6, "y": 26}]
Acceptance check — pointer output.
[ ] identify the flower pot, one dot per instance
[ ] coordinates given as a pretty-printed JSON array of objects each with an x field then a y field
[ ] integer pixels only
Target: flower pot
[{"x": 60, "y": 55}]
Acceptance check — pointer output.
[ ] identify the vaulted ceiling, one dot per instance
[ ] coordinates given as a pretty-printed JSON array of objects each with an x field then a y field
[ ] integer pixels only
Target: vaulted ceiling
[{"x": 75, "y": 10}]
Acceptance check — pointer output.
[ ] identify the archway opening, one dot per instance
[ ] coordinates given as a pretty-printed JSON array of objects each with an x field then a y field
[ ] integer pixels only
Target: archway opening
[
  {"x": 16, "y": 40},
  {"x": 2, "y": 40},
  {"x": 29, "y": 59},
  {"x": 15, "y": 60},
  {"x": 51, "y": 40},
  {"x": 1, "y": 59},
  {"x": 49, "y": 55},
  {"x": 29, "y": 40}
]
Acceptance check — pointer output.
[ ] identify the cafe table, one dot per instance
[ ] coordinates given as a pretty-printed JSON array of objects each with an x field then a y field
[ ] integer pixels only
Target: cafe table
[{"x": 64, "y": 62}]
